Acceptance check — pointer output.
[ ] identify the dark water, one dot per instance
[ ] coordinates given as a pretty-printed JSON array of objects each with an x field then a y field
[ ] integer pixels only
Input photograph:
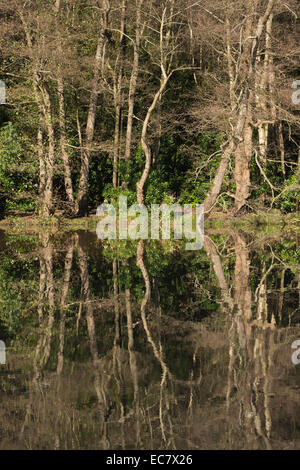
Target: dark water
[{"x": 127, "y": 345}]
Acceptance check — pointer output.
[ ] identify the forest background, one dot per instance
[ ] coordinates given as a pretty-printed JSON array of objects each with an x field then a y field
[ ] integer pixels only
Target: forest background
[{"x": 162, "y": 101}]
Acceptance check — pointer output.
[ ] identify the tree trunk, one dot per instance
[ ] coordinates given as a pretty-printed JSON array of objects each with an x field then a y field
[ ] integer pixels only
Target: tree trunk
[
  {"x": 146, "y": 148},
  {"x": 82, "y": 201},
  {"x": 42, "y": 182},
  {"x": 243, "y": 156},
  {"x": 281, "y": 148},
  {"x": 225, "y": 159},
  {"x": 133, "y": 85},
  {"x": 264, "y": 82},
  {"x": 46, "y": 161},
  {"x": 63, "y": 148},
  {"x": 62, "y": 120},
  {"x": 119, "y": 69},
  {"x": 47, "y": 203}
]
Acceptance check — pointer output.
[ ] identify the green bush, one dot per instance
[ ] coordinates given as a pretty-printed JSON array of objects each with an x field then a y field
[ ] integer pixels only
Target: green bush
[{"x": 10, "y": 156}]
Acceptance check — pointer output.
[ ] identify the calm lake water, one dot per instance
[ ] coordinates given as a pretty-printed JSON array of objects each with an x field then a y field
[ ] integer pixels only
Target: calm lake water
[{"x": 143, "y": 345}]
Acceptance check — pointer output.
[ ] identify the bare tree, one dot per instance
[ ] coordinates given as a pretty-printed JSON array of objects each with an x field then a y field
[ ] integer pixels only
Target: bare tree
[
  {"x": 62, "y": 115},
  {"x": 82, "y": 200},
  {"x": 164, "y": 59},
  {"x": 247, "y": 61}
]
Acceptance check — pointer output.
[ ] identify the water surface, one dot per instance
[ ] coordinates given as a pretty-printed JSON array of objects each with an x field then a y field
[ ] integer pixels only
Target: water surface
[{"x": 143, "y": 345}]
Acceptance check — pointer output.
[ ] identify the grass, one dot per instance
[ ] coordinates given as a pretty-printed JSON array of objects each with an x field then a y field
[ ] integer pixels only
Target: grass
[
  {"x": 272, "y": 221},
  {"x": 17, "y": 224}
]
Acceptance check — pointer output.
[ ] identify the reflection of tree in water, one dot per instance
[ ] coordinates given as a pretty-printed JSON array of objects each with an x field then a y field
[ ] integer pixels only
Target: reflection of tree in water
[
  {"x": 248, "y": 372},
  {"x": 46, "y": 313},
  {"x": 101, "y": 376},
  {"x": 252, "y": 337},
  {"x": 125, "y": 391},
  {"x": 167, "y": 396}
]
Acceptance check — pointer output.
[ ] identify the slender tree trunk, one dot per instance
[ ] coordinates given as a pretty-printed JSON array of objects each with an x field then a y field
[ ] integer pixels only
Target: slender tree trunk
[
  {"x": 42, "y": 182},
  {"x": 243, "y": 156},
  {"x": 281, "y": 148},
  {"x": 146, "y": 148},
  {"x": 230, "y": 65},
  {"x": 82, "y": 201},
  {"x": 116, "y": 151},
  {"x": 264, "y": 81},
  {"x": 119, "y": 69},
  {"x": 46, "y": 160},
  {"x": 63, "y": 148},
  {"x": 50, "y": 156},
  {"x": 133, "y": 84}
]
